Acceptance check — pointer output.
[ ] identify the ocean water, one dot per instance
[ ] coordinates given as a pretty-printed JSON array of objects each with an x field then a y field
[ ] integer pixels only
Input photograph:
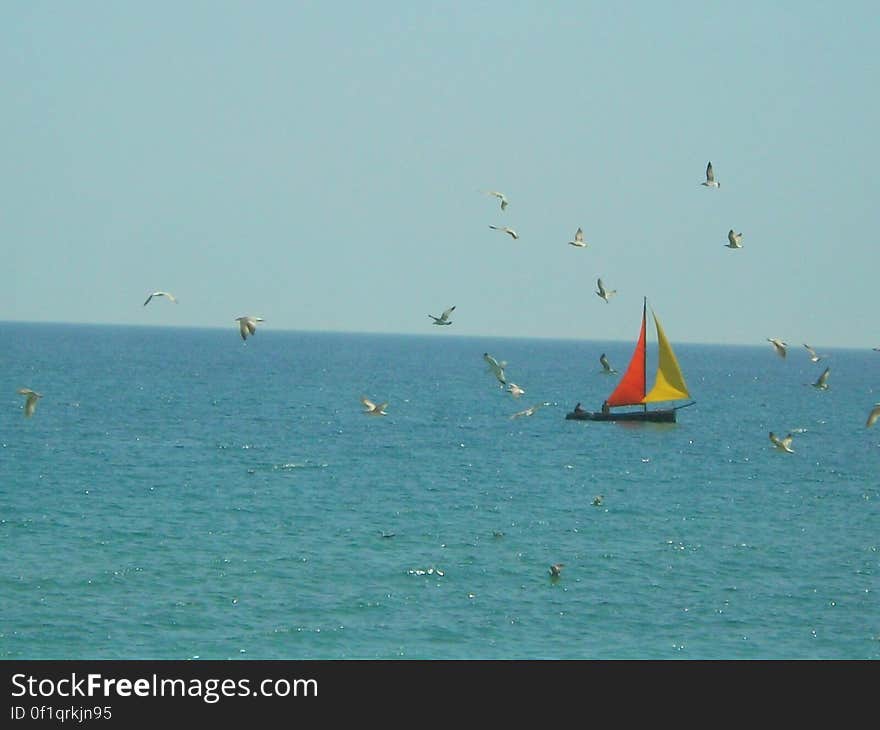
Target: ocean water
[{"x": 182, "y": 494}]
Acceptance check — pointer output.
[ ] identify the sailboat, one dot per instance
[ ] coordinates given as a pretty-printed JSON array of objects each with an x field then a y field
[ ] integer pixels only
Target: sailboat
[{"x": 669, "y": 385}]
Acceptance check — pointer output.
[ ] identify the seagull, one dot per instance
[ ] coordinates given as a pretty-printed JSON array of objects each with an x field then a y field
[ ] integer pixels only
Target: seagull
[
  {"x": 504, "y": 229},
  {"x": 606, "y": 366},
  {"x": 161, "y": 294},
  {"x": 556, "y": 569},
  {"x": 814, "y": 356},
  {"x": 496, "y": 367},
  {"x": 822, "y": 381},
  {"x": 779, "y": 345},
  {"x": 873, "y": 415},
  {"x": 528, "y": 411},
  {"x": 734, "y": 239},
  {"x": 578, "y": 239},
  {"x": 500, "y": 197},
  {"x": 443, "y": 318},
  {"x": 514, "y": 390},
  {"x": 710, "y": 178},
  {"x": 247, "y": 325},
  {"x": 604, "y": 293},
  {"x": 783, "y": 444},
  {"x": 372, "y": 409},
  {"x": 30, "y": 403}
]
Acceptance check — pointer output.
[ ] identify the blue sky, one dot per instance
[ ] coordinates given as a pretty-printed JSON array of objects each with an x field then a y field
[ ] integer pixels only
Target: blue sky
[{"x": 324, "y": 166}]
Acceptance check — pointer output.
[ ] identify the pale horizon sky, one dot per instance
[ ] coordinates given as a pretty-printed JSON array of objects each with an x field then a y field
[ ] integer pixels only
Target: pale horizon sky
[{"x": 325, "y": 166}]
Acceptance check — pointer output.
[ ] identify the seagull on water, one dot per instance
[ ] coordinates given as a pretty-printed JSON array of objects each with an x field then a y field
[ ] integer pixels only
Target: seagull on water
[
  {"x": 501, "y": 196},
  {"x": 504, "y": 229},
  {"x": 530, "y": 411},
  {"x": 372, "y": 409},
  {"x": 782, "y": 444},
  {"x": 556, "y": 569},
  {"x": 814, "y": 356},
  {"x": 606, "y": 366},
  {"x": 822, "y": 381},
  {"x": 604, "y": 293},
  {"x": 514, "y": 390},
  {"x": 496, "y": 367},
  {"x": 30, "y": 401},
  {"x": 247, "y": 325},
  {"x": 734, "y": 240},
  {"x": 443, "y": 318},
  {"x": 779, "y": 345},
  {"x": 166, "y": 294},
  {"x": 579, "y": 239},
  {"x": 873, "y": 415},
  {"x": 711, "y": 182}
]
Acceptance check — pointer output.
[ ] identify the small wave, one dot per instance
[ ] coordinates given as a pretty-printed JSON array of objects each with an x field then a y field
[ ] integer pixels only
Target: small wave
[{"x": 290, "y": 466}]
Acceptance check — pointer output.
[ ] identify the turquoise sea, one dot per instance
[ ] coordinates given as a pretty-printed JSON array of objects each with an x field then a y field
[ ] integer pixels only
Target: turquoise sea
[{"x": 181, "y": 494}]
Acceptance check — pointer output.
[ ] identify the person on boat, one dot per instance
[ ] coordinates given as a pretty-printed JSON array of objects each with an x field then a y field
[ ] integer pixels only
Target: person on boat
[
  {"x": 605, "y": 408},
  {"x": 578, "y": 409}
]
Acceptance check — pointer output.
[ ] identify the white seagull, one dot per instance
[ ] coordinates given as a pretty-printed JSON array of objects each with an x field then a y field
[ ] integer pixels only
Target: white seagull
[
  {"x": 372, "y": 409},
  {"x": 604, "y": 293},
  {"x": 873, "y": 415},
  {"x": 711, "y": 182},
  {"x": 606, "y": 366},
  {"x": 782, "y": 444},
  {"x": 822, "y": 381},
  {"x": 500, "y": 197},
  {"x": 496, "y": 367},
  {"x": 443, "y": 318},
  {"x": 247, "y": 325},
  {"x": 779, "y": 345},
  {"x": 530, "y": 411},
  {"x": 734, "y": 240},
  {"x": 579, "y": 239},
  {"x": 504, "y": 229},
  {"x": 30, "y": 402},
  {"x": 161, "y": 294},
  {"x": 814, "y": 356},
  {"x": 514, "y": 390}
]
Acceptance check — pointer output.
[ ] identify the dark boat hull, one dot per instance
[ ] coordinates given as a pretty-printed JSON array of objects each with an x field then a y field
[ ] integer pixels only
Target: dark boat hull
[{"x": 658, "y": 416}]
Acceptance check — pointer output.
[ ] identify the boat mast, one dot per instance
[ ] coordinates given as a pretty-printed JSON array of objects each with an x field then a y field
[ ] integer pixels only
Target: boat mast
[{"x": 645, "y": 359}]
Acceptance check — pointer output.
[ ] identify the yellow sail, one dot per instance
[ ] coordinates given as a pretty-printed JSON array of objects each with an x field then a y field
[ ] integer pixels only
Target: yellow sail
[{"x": 669, "y": 384}]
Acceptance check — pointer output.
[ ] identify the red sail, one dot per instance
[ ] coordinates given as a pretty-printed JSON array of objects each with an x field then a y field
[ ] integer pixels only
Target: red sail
[{"x": 630, "y": 391}]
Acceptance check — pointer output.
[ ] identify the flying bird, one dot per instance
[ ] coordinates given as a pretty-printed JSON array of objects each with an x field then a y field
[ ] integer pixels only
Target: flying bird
[
  {"x": 734, "y": 240},
  {"x": 822, "y": 381},
  {"x": 782, "y": 444},
  {"x": 556, "y": 569},
  {"x": 371, "y": 409},
  {"x": 711, "y": 182},
  {"x": 578, "y": 239},
  {"x": 504, "y": 229},
  {"x": 247, "y": 325},
  {"x": 530, "y": 411},
  {"x": 604, "y": 293},
  {"x": 779, "y": 345},
  {"x": 814, "y": 356},
  {"x": 873, "y": 415},
  {"x": 443, "y": 318},
  {"x": 500, "y": 197},
  {"x": 496, "y": 367},
  {"x": 606, "y": 366},
  {"x": 166, "y": 294},
  {"x": 30, "y": 401},
  {"x": 514, "y": 390}
]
